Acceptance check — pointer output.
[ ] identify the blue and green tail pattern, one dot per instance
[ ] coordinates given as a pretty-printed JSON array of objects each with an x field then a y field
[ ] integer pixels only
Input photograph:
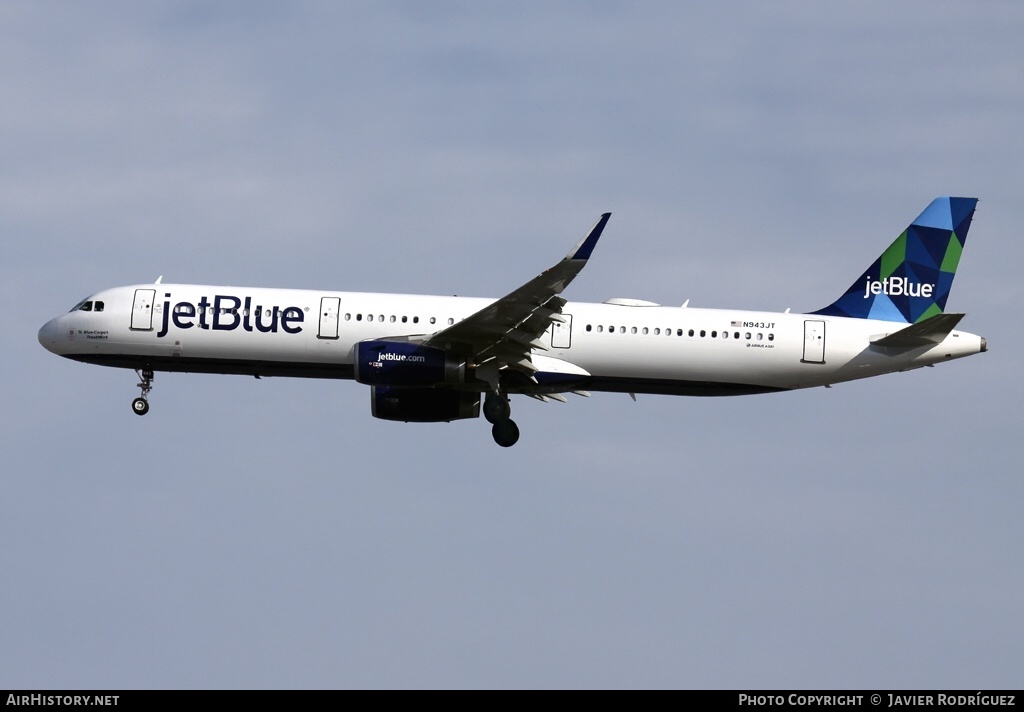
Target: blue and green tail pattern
[{"x": 911, "y": 280}]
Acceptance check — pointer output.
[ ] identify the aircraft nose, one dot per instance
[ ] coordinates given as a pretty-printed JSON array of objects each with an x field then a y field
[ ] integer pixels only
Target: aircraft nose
[{"x": 48, "y": 335}]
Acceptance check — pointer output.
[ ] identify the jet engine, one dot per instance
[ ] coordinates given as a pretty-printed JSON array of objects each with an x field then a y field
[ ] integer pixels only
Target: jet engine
[
  {"x": 406, "y": 364},
  {"x": 423, "y": 405}
]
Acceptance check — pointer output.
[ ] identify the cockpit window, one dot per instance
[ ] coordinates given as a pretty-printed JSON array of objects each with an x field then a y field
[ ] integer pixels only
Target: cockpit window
[{"x": 88, "y": 305}]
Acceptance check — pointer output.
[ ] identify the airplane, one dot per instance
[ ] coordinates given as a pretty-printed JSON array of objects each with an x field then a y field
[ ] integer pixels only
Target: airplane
[{"x": 437, "y": 358}]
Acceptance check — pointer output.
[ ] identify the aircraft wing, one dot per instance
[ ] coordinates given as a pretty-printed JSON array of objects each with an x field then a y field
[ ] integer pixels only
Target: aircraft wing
[{"x": 504, "y": 333}]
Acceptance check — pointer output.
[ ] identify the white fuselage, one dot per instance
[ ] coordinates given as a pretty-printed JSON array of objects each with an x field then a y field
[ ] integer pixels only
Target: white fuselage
[{"x": 626, "y": 347}]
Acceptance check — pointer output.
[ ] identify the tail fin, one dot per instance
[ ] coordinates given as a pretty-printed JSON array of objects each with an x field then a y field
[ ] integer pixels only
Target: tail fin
[{"x": 911, "y": 280}]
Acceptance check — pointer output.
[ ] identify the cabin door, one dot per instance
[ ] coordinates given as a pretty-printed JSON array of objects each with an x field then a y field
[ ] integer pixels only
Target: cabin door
[
  {"x": 561, "y": 334},
  {"x": 814, "y": 342},
  {"x": 329, "y": 308},
  {"x": 142, "y": 310}
]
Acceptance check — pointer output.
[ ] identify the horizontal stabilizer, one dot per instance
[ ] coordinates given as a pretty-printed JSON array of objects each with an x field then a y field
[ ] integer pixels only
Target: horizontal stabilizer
[{"x": 929, "y": 332}]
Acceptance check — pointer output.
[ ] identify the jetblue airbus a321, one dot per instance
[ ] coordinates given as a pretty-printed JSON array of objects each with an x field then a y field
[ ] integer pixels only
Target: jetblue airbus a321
[{"x": 431, "y": 359}]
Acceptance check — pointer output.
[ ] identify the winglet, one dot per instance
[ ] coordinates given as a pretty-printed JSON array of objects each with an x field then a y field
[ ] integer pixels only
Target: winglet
[{"x": 585, "y": 246}]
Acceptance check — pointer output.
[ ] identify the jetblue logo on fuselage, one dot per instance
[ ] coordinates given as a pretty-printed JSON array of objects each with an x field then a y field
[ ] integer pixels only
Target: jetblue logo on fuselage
[
  {"x": 227, "y": 313},
  {"x": 897, "y": 287}
]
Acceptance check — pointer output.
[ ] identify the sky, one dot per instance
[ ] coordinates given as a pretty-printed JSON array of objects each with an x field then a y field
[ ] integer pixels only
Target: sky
[{"x": 272, "y": 534}]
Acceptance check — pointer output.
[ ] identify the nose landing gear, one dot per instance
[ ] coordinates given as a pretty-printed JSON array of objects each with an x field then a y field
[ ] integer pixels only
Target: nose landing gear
[
  {"x": 497, "y": 411},
  {"x": 140, "y": 406}
]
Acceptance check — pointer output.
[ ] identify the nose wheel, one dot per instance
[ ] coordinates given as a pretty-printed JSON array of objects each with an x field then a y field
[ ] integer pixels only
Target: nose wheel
[
  {"x": 497, "y": 411},
  {"x": 140, "y": 406}
]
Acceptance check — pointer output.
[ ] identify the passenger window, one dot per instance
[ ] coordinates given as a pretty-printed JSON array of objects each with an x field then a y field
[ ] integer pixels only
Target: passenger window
[
  {"x": 771, "y": 337},
  {"x": 432, "y": 320},
  {"x": 369, "y": 317},
  {"x": 588, "y": 327},
  {"x": 747, "y": 336},
  {"x": 633, "y": 330}
]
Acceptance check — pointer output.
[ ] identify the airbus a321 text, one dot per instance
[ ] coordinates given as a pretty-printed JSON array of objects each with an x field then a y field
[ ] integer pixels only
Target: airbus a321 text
[{"x": 434, "y": 358}]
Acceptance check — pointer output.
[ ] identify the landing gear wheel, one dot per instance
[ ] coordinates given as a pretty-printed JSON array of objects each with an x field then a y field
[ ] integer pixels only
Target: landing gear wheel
[
  {"x": 496, "y": 408},
  {"x": 505, "y": 433},
  {"x": 141, "y": 405}
]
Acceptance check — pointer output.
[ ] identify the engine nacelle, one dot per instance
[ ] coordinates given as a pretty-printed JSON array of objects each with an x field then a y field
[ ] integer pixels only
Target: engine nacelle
[
  {"x": 400, "y": 363},
  {"x": 423, "y": 405}
]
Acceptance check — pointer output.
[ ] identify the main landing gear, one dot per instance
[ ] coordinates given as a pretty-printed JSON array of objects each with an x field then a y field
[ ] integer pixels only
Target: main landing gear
[
  {"x": 497, "y": 411},
  {"x": 141, "y": 404}
]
